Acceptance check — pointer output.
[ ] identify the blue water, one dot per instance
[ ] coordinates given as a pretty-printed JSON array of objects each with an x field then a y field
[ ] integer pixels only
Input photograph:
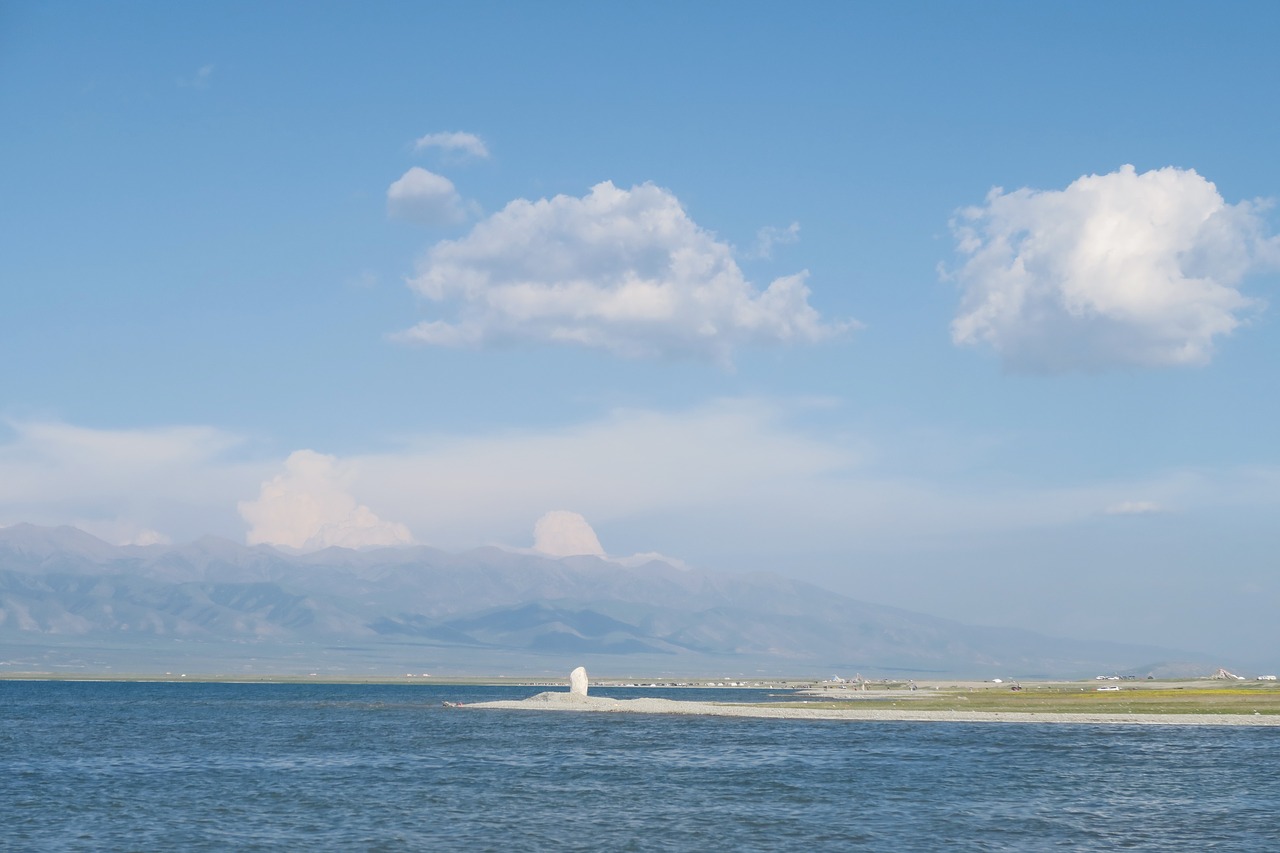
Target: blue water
[{"x": 118, "y": 766}]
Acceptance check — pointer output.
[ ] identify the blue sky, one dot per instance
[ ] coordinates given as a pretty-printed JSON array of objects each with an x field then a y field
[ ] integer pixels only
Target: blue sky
[{"x": 730, "y": 280}]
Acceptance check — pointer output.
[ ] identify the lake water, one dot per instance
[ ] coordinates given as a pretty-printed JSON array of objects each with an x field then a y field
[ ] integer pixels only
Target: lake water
[{"x": 126, "y": 766}]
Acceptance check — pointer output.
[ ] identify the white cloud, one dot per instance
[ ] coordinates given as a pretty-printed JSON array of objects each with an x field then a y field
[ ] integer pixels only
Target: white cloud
[
  {"x": 425, "y": 197},
  {"x": 625, "y": 271},
  {"x": 771, "y": 235},
  {"x": 308, "y": 507},
  {"x": 561, "y": 533},
  {"x": 456, "y": 141},
  {"x": 1117, "y": 269}
]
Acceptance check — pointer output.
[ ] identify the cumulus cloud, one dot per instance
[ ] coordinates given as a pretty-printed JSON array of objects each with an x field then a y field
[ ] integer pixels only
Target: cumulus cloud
[
  {"x": 1117, "y": 269},
  {"x": 426, "y": 198},
  {"x": 626, "y": 271},
  {"x": 308, "y": 507},
  {"x": 454, "y": 142},
  {"x": 561, "y": 533}
]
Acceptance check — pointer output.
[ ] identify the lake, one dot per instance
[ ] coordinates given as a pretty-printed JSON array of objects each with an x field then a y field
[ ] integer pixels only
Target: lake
[{"x": 194, "y": 766}]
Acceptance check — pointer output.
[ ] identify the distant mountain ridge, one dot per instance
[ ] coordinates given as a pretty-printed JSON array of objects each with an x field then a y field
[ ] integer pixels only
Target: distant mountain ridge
[{"x": 70, "y": 600}]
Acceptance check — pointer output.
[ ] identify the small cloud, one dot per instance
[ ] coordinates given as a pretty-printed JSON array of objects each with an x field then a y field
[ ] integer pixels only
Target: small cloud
[
  {"x": 626, "y": 271},
  {"x": 565, "y": 534},
  {"x": 1122, "y": 269},
  {"x": 454, "y": 142},
  {"x": 150, "y": 537},
  {"x": 635, "y": 561},
  {"x": 366, "y": 280},
  {"x": 426, "y": 198},
  {"x": 200, "y": 80},
  {"x": 308, "y": 508},
  {"x": 1135, "y": 508},
  {"x": 770, "y": 236},
  {"x": 121, "y": 532}
]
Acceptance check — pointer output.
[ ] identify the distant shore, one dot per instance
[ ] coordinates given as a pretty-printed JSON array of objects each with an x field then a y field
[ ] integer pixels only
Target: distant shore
[{"x": 1202, "y": 701}]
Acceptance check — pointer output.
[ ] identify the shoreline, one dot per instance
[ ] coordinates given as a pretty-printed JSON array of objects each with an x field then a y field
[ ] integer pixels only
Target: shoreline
[
  {"x": 1173, "y": 702},
  {"x": 566, "y": 702}
]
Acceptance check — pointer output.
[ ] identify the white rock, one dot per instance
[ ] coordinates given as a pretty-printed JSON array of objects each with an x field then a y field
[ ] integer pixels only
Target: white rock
[{"x": 578, "y": 682}]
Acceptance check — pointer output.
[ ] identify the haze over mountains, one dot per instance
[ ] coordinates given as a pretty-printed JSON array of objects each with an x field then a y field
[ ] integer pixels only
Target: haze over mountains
[{"x": 72, "y": 603}]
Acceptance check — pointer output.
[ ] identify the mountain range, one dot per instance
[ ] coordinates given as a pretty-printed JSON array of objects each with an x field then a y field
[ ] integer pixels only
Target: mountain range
[{"x": 70, "y": 602}]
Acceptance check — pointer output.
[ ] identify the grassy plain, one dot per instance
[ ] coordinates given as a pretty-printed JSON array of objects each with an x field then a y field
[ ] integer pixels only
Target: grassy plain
[{"x": 1197, "y": 697}]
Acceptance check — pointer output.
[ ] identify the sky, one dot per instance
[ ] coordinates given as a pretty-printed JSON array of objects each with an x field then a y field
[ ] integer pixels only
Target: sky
[{"x": 969, "y": 309}]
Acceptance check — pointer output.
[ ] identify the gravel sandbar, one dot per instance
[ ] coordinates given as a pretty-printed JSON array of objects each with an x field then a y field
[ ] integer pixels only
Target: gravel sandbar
[{"x": 601, "y": 704}]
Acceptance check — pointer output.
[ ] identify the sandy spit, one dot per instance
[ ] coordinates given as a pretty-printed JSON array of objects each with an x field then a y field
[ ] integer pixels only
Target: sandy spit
[{"x": 600, "y": 704}]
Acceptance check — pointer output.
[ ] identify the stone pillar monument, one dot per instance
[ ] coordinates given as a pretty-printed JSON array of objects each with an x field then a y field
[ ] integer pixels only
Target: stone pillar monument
[{"x": 578, "y": 682}]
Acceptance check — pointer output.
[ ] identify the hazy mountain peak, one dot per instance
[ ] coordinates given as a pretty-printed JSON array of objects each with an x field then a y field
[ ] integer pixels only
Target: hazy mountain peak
[
  {"x": 40, "y": 541},
  {"x": 480, "y": 609}
]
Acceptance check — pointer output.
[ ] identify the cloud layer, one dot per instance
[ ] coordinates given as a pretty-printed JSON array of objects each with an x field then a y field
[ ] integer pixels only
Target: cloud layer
[
  {"x": 1117, "y": 269},
  {"x": 626, "y": 271},
  {"x": 737, "y": 475},
  {"x": 307, "y": 507},
  {"x": 128, "y": 486},
  {"x": 1135, "y": 508}
]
